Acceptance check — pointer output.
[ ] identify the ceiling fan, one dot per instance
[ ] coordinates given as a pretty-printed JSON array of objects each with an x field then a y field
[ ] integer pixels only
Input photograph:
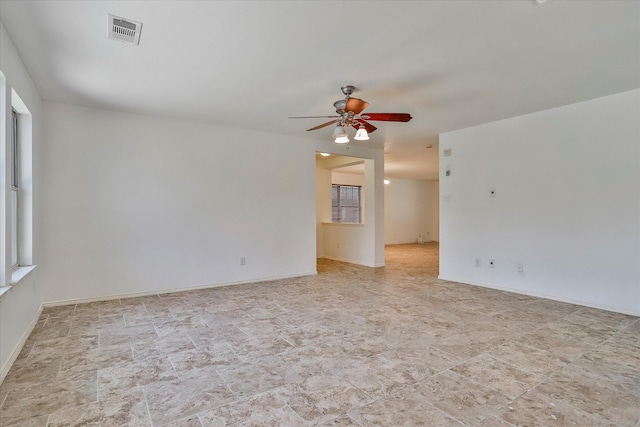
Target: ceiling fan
[{"x": 349, "y": 114}]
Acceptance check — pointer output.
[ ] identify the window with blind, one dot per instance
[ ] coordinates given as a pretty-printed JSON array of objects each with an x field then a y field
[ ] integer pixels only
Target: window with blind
[
  {"x": 15, "y": 184},
  {"x": 346, "y": 203}
]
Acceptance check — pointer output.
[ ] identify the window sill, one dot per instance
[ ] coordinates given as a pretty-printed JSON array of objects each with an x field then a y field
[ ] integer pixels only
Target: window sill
[
  {"x": 16, "y": 277},
  {"x": 20, "y": 273}
]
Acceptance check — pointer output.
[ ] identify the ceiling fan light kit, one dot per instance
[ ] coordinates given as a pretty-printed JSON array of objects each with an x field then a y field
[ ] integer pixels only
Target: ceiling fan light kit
[
  {"x": 340, "y": 134},
  {"x": 348, "y": 110},
  {"x": 361, "y": 134}
]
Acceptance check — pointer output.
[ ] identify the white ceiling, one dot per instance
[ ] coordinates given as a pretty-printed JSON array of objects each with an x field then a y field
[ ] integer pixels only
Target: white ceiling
[{"x": 251, "y": 64}]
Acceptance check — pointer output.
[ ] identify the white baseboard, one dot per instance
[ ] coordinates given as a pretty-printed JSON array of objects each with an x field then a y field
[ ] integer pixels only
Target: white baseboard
[
  {"x": 172, "y": 290},
  {"x": 18, "y": 348},
  {"x": 351, "y": 261},
  {"x": 545, "y": 296}
]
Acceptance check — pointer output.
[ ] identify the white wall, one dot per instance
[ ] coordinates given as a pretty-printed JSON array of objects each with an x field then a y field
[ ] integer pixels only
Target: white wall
[
  {"x": 323, "y": 206},
  {"x": 410, "y": 207},
  {"x": 139, "y": 204},
  {"x": 346, "y": 178},
  {"x": 567, "y": 203},
  {"x": 19, "y": 306},
  {"x": 410, "y": 210}
]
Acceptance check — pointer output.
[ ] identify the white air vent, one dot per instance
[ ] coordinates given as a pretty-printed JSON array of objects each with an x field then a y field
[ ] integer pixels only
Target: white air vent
[{"x": 124, "y": 30}]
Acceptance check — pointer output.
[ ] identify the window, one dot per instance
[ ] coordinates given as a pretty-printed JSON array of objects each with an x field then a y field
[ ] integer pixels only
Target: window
[
  {"x": 345, "y": 203},
  {"x": 15, "y": 184},
  {"x": 16, "y": 233}
]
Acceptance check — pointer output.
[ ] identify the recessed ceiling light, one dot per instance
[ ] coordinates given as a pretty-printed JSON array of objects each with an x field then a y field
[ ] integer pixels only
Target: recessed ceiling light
[{"x": 537, "y": 2}]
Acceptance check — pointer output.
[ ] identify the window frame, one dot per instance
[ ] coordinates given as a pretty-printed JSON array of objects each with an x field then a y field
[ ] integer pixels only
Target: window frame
[
  {"x": 337, "y": 204},
  {"x": 15, "y": 189}
]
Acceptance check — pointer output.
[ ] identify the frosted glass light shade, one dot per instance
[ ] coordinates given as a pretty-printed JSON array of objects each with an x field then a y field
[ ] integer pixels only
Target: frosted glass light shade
[
  {"x": 361, "y": 134},
  {"x": 339, "y": 131},
  {"x": 340, "y": 134}
]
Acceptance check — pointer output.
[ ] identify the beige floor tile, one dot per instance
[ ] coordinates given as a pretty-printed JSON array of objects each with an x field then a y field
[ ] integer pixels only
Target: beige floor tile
[
  {"x": 247, "y": 379},
  {"x": 126, "y": 409},
  {"x": 320, "y": 399},
  {"x": 339, "y": 422},
  {"x": 168, "y": 344},
  {"x": 595, "y": 394},
  {"x": 92, "y": 360},
  {"x": 462, "y": 398},
  {"x": 505, "y": 378},
  {"x": 559, "y": 344},
  {"x": 402, "y": 411},
  {"x": 190, "y": 421},
  {"x": 266, "y": 409},
  {"x": 623, "y": 348},
  {"x": 46, "y": 398},
  {"x": 28, "y": 421},
  {"x": 44, "y": 370},
  {"x": 218, "y": 356},
  {"x": 535, "y": 409},
  {"x": 168, "y": 401},
  {"x": 351, "y": 346},
  {"x": 133, "y": 375},
  {"x": 528, "y": 358},
  {"x": 494, "y": 421}
]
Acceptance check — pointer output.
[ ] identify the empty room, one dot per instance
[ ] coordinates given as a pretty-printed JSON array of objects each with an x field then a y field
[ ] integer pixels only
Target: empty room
[{"x": 315, "y": 213}]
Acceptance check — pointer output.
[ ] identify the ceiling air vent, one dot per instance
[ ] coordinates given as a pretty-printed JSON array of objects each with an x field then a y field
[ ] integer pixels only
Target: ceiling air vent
[{"x": 124, "y": 30}]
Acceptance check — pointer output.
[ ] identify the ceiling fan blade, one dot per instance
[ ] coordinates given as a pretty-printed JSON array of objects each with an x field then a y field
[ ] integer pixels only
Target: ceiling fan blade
[
  {"x": 388, "y": 117},
  {"x": 324, "y": 124},
  {"x": 355, "y": 105},
  {"x": 368, "y": 126},
  {"x": 315, "y": 117}
]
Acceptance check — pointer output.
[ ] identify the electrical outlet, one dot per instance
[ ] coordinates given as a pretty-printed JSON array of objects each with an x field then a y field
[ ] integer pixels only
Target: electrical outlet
[
  {"x": 520, "y": 268},
  {"x": 447, "y": 198},
  {"x": 492, "y": 263},
  {"x": 242, "y": 260}
]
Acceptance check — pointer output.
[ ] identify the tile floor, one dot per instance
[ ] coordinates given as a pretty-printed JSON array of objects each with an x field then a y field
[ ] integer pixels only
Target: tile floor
[{"x": 353, "y": 346}]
